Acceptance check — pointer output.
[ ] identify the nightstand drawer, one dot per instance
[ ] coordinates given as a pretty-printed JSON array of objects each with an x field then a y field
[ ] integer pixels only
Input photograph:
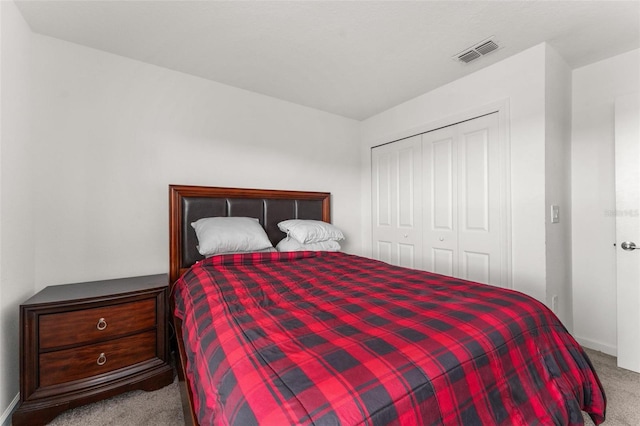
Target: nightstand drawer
[
  {"x": 86, "y": 361},
  {"x": 88, "y": 325}
]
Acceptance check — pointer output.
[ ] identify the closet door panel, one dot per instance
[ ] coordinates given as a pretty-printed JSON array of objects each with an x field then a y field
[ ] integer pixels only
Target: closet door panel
[
  {"x": 441, "y": 166},
  {"x": 397, "y": 202},
  {"x": 406, "y": 189},
  {"x": 480, "y": 224},
  {"x": 383, "y": 251},
  {"x": 406, "y": 255},
  {"x": 474, "y": 188},
  {"x": 439, "y": 154},
  {"x": 476, "y": 266},
  {"x": 383, "y": 166},
  {"x": 442, "y": 261}
]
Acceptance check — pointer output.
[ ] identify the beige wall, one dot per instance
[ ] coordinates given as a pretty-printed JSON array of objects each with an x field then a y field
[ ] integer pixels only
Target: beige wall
[
  {"x": 595, "y": 88},
  {"x": 113, "y": 133},
  {"x": 558, "y": 185},
  {"x": 16, "y": 201}
]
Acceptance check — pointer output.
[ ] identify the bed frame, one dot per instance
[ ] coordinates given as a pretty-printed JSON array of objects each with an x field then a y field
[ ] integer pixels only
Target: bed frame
[{"x": 190, "y": 203}]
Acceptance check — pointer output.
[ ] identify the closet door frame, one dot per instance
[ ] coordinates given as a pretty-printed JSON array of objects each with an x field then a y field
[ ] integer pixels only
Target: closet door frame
[{"x": 500, "y": 107}]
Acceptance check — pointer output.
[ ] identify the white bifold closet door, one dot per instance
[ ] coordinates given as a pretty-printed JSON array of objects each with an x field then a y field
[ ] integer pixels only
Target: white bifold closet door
[
  {"x": 461, "y": 201},
  {"x": 397, "y": 202},
  {"x": 440, "y": 193}
]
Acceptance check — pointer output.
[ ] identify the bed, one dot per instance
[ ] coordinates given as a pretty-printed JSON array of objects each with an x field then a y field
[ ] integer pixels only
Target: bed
[{"x": 328, "y": 338}]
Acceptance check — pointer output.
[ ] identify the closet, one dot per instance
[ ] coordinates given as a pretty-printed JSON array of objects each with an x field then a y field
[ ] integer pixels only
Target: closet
[{"x": 439, "y": 202}]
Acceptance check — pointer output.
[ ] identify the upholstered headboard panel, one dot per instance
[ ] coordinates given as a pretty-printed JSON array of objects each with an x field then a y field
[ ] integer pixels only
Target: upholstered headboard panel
[
  {"x": 190, "y": 203},
  {"x": 269, "y": 212}
]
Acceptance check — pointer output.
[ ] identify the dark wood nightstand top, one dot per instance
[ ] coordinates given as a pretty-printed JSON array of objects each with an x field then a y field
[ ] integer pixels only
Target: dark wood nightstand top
[{"x": 93, "y": 289}]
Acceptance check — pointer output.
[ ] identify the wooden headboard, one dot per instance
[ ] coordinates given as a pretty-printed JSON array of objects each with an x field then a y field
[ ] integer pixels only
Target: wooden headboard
[{"x": 190, "y": 203}]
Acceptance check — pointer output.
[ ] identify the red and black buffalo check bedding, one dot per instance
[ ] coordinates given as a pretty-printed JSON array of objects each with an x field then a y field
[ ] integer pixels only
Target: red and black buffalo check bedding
[{"x": 334, "y": 339}]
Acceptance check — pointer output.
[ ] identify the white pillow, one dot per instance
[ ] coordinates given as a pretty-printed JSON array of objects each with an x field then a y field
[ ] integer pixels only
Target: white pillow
[
  {"x": 230, "y": 235},
  {"x": 291, "y": 244},
  {"x": 310, "y": 231}
]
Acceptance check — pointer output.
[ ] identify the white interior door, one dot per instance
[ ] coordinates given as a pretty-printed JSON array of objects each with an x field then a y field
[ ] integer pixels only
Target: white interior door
[
  {"x": 396, "y": 201},
  {"x": 627, "y": 158}
]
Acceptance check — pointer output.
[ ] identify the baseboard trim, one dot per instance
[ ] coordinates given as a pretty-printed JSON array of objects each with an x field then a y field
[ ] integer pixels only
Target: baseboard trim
[
  {"x": 5, "y": 419},
  {"x": 597, "y": 346}
]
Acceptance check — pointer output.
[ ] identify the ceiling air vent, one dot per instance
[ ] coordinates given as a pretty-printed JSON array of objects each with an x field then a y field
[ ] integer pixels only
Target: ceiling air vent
[
  {"x": 477, "y": 51},
  {"x": 486, "y": 47},
  {"x": 469, "y": 56}
]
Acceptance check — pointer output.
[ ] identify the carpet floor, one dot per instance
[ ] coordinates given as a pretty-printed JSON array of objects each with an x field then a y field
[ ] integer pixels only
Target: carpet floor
[
  {"x": 622, "y": 388},
  {"x": 163, "y": 407},
  {"x": 137, "y": 408}
]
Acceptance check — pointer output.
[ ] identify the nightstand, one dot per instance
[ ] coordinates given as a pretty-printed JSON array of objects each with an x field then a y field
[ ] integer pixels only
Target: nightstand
[{"x": 80, "y": 343}]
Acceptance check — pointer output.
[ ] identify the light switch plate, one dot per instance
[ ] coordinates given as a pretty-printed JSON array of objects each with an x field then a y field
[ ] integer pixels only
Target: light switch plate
[{"x": 555, "y": 214}]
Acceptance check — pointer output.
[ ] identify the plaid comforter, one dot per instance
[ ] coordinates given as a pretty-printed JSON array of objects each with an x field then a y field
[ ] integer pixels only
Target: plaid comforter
[{"x": 334, "y": 339}]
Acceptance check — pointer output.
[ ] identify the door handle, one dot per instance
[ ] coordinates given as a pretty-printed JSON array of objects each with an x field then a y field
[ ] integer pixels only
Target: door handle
[{"x": 628, "y": 246}]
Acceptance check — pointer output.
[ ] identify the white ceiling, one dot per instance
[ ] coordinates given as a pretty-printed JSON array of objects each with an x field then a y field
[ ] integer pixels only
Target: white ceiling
[{"x": 352, "y": 58}]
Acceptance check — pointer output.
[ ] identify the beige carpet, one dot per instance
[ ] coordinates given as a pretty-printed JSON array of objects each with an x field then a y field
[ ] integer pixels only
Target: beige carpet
[
  {"x": 622, "y": 388},
  {"x": 138, "y": 408},
  {"x": 163, "y": 407}
]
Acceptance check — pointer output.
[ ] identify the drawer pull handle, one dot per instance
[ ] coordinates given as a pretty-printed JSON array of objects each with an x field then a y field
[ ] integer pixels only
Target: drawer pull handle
[
  {"x": 102, "y": 324},
  {"x": 102, "y": 359}
]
